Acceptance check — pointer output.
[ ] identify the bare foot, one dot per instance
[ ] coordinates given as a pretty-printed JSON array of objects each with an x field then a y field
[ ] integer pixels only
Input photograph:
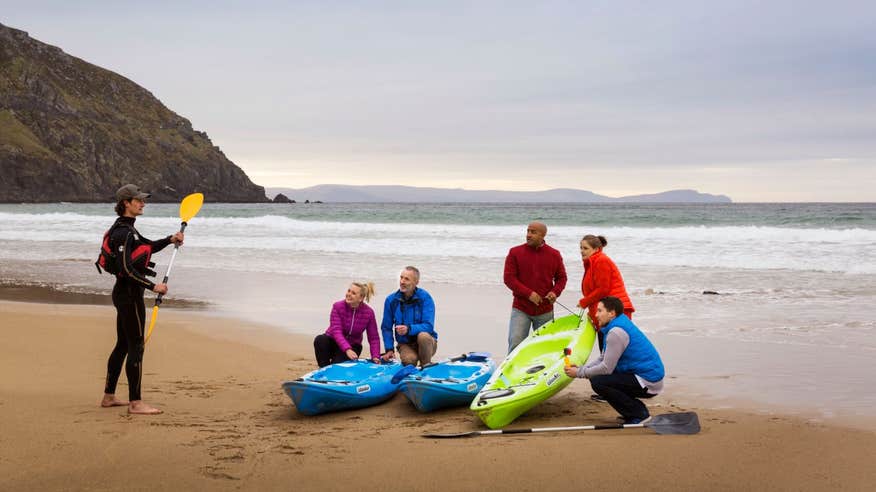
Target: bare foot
[
  {"x": 111, "y": 401},
  {"x": 138, "y": 407}
]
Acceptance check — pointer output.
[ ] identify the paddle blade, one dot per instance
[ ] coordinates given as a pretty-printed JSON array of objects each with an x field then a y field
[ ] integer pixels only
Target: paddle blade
[
  {"x": 151, "y": 323},
  {"x": 477, "y": 356},
  {"x": 675, "y": 423},
  {"x": 403, "y": 373},
  {"x": 190, "y": 206}
]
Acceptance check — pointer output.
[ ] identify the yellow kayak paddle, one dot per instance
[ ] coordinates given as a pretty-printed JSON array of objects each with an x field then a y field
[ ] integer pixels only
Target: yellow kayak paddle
[{"x": 187, "y": 209}]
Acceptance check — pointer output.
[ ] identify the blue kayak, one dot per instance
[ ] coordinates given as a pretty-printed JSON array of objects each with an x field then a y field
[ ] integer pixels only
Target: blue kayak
[
  {"x": 342, "y": 386},
  {"x": 449, "y": 383}
]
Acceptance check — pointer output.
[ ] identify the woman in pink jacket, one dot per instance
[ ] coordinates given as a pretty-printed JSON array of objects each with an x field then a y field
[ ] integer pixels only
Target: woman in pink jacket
[{"x": 349, "y": 319}]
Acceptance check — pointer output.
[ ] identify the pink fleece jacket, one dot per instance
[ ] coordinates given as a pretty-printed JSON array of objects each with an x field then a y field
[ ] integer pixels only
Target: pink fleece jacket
[{"x": 346, "y": 326}]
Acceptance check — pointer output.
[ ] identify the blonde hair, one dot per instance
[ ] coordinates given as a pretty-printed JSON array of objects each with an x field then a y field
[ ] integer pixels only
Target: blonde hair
[{"x": 366, "y": 289}]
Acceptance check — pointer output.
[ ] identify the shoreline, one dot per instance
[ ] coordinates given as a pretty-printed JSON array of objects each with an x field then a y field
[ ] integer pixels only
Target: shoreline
[
  {"x": 228, "y": 425},
  {"x": 41, "y": 293}
]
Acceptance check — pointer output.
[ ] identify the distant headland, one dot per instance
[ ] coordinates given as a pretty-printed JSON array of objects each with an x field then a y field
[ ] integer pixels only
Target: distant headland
[{"x": 409, "y": 194}]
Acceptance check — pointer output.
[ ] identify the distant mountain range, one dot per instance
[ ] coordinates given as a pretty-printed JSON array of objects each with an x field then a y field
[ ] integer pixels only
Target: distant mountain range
[{"x": 380, "y": 193}]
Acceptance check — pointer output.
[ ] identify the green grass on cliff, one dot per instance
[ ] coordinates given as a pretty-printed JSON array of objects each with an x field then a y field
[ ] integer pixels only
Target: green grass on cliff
[{"x": 15, "y": 134}]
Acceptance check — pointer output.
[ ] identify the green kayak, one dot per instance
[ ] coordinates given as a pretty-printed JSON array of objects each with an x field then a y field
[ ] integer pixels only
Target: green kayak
[{"x": 533, "y": 371}]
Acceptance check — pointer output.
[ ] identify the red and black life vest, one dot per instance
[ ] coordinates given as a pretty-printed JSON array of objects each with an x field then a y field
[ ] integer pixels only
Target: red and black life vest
[{"x": 140, "y": 256}]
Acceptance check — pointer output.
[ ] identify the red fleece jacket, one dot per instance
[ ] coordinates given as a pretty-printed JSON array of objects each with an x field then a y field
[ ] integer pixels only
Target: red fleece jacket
[{"x": 539, "y": 270}]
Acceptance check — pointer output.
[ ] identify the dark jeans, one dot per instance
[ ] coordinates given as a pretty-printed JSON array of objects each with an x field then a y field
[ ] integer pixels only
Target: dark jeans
[
  {"x": 328, "y": 352},
  {"x": 622, "y": 392}
]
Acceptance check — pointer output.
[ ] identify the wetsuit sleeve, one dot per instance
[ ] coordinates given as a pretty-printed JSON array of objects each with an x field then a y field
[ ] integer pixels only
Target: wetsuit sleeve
[
  {"x": 560, "y": 277},
  {"x": 127, "y": 265},
  {"x": 158, "y": 245},
  {"x": 616, "y": 342},
  {"x": 511, "y": 277},
  {"x": 601, "y": 277},
  {"x": 336, "y": 331},
  {"x": 427, "y": 323},
  {"x": 386, "y": 325},
  {"x": 373, "y": 336}
]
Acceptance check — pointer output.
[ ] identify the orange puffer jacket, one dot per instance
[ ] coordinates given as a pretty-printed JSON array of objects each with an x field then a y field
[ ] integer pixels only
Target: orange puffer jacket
[{"x": 601, "y": 279}]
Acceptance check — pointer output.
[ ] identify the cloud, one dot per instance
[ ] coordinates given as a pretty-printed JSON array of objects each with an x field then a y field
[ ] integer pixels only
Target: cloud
[{"x": 653, "y": 95}]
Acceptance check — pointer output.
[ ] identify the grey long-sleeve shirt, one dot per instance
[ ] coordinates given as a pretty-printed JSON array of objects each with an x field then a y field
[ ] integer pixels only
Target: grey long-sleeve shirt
[{"x": 615, "y": 344}]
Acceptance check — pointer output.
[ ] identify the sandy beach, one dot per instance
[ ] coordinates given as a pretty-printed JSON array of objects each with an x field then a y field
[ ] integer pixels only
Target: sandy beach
[
  {"x": 228, "y": 426},
  {"x": 721, "y": 158}
]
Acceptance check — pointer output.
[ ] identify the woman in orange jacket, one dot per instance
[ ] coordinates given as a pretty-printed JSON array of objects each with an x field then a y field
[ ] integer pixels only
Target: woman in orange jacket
[{"x": 601, "y": 278}]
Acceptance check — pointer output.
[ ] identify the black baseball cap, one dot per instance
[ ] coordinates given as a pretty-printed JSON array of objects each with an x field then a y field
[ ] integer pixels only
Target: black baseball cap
[{"x": 130, "y": 192}]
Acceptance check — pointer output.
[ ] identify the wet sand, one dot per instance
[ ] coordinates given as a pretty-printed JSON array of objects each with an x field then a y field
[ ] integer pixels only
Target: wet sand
[
  {"x": 51, "y": 294},
  {"x": 228, "y": 425}
]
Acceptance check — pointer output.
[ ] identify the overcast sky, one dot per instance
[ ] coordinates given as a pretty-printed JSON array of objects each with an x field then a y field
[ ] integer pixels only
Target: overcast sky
[{"x": 758, "y": 100}]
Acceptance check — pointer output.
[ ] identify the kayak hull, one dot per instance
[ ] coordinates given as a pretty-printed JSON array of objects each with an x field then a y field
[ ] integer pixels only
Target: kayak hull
[
  {"x": 534, "y": 370},
  {"x": 342, "y": 386},
  {"x": 450, "y": 383}
]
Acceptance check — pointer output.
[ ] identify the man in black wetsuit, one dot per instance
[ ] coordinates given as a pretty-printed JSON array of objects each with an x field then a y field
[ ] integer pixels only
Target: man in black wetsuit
[{"x": 131, "y": 253}]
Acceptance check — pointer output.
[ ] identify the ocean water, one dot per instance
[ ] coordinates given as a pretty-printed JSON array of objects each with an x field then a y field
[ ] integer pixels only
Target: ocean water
[
  {"x": 783, "y": 270},
  {"x": 321, "y": 239}
]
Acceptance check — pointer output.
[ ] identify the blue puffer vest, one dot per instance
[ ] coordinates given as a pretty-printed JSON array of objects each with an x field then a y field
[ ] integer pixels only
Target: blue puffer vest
[{"x": 640, "y": 357}]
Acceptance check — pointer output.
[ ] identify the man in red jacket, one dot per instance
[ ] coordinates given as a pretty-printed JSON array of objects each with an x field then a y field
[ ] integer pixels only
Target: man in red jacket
[{"x": 536, "y": 275}]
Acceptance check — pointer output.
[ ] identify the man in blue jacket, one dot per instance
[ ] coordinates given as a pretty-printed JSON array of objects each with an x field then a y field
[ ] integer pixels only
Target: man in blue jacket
[
  {"x": 409, "y": 319},
  {"x": 629, "y": 367}
]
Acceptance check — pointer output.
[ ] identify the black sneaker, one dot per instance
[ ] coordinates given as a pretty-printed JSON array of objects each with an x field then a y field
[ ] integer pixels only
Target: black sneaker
[{"x": 637, "y": 420}]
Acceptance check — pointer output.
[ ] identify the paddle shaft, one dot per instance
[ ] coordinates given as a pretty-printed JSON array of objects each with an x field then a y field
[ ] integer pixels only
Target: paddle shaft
[
  {"x": 160, "y": 297},
  {"x": 560, "y": 429},
  {"x": 189, "y": 207},
  {"x": 670, "y": 423},
  {"x": 454, "y": 359}
]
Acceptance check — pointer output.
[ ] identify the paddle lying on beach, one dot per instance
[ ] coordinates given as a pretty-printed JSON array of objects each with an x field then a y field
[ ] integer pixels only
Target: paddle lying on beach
[
  {"x": 668, "y": 423},
  {"x": 187, "y": 209}
]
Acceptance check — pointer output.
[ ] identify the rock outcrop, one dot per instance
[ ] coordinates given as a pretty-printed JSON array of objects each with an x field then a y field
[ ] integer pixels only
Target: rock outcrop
[
  {"x": 281, "y": 198},
  {"x": 72, "y": 131}
]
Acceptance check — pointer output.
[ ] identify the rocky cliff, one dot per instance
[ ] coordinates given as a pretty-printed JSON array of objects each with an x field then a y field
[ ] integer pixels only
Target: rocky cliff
[{"x": 72, "y": 131}]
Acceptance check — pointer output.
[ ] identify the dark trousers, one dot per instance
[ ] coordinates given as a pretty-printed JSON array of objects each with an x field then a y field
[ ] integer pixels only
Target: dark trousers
[
  {"x": 622, "y": 392},
  {"x": 130, "y": 323},
  {"x": 327, "y": 350}
]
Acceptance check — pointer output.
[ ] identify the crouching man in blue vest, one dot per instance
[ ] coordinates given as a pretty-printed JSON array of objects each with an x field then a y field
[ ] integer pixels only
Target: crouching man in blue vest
[{"x": 629, "y": 367}]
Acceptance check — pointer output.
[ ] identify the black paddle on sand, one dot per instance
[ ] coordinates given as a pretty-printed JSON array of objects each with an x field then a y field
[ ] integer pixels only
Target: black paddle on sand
[{"x": 668, "y": 423}]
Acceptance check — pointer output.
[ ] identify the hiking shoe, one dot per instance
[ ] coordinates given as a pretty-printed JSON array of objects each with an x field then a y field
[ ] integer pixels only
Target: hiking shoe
[{"x": 637, "y": 420}]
